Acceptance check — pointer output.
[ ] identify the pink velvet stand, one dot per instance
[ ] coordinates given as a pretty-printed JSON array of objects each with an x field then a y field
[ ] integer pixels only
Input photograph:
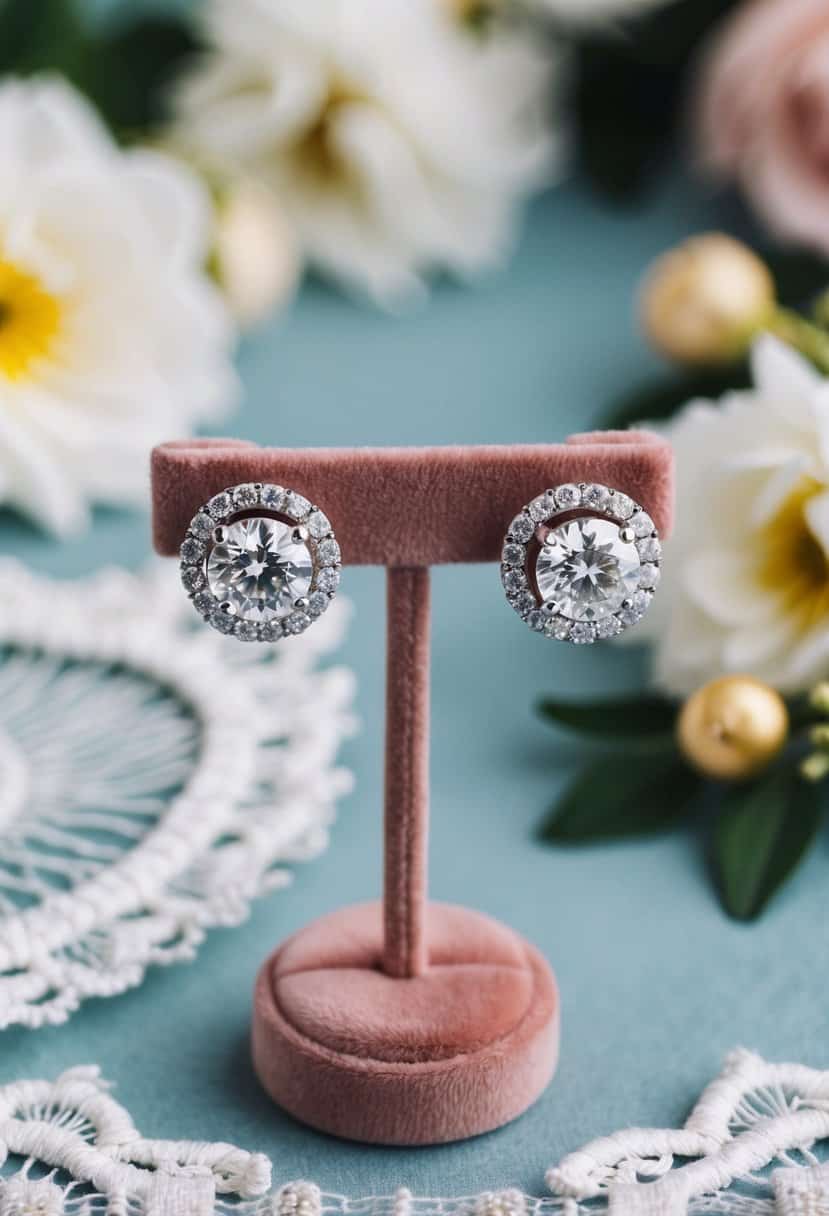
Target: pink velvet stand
[{"x": 407, "y": 1022}]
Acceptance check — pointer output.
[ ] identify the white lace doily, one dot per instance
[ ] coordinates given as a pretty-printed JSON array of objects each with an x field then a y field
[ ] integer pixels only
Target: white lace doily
[
  {"x": 71, "y": 1150},
  {"x": 154, "y": 778}
]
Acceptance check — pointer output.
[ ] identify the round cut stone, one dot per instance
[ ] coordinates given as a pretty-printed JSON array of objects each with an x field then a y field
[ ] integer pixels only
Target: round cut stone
[
  {"x": 260, "y": 569},
  {"x": 587, "y": 569}
]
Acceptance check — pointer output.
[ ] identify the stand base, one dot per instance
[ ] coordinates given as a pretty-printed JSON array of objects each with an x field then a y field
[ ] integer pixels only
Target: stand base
[{"x": 457, "y": 1051}]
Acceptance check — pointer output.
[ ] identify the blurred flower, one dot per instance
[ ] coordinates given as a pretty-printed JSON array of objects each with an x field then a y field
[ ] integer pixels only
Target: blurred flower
[
  {"x": 255, "y": 253},
  {"x": 763, "y": 112},
  {"x": 595, "y": 12},
  {"x": 745, "y": 584},
  {"x": 111, "y": 336},
  {"x": 396, "y": 142},
  {"x": 704, "y": 301}
]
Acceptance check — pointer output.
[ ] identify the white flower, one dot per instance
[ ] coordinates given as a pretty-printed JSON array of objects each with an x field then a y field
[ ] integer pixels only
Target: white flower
[
  {"x": 595, "y": 12},
  {"x": 256, "y": 253},
  {"x": 745, "y": 583},
  {"x": 396, "y": 140},
  {"x": 111, "y": 336}
]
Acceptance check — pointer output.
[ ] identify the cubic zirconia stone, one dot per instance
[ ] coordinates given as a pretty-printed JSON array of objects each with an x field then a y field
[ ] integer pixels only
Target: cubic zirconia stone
[
  {"x": 524, "y": 603},
  {"x": 636, "y": 609},
  {"x": 192, "y": 550},
  {"x": 621, "y": 505},
  {"x": 597, "y": 497},
  {"x": 582, "y": 633},
  {"x": 202, "y": 525},
  {"x": 260, "y": 569},
  {"x": 220, "y": 505},
  {"x": 558, "y": 628},
  {"x": 608, "y": 627},
  {"x": 328, "y": 552},
  {"x": 223, "y": 621},
  {"x": 642, "y": 524},
  {"x": 271, "y": 631},
  {"x": 272, "y": 497},
  {"x": 317, "y": 603},
  {"x": 568, "y": 496},
  {"x": 514, "y": 581},
  {"x": 297, "y": 622},
  {"x": 512, "y": 554},
  {"x": 318, "y": 524},
  {"x": 649, "y": 549},
  {"x": 543, "y": 507},
  {"x": 522, "y": 527},
  {"x": 329, "y": 579},
  {"x": 587, "y": 568},
  {"x": 649, "y": 576},
  {"x": 192, "y": 578},
  {"x": 246, "y": 631},
  {"x": 204, "y": 601},
  {"x": 246, "y": 496},
  {"x": 296, "y": 506},
  {"x": 537, "y": 619}
]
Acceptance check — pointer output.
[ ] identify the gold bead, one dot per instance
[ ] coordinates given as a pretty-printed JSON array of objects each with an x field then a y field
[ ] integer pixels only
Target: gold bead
[
  {"x": 704, "y": 301},
  {"x": 732, "y": 727}
]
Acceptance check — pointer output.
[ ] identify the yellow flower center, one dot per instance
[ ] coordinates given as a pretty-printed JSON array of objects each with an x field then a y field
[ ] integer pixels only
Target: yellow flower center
[
  {"x": 792, "y": 561},
  {"x": 29, "y": 321}
]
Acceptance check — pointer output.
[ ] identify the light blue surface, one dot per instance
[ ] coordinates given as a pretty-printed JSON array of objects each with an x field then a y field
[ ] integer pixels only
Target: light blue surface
[{"x": 656, "y": 983}]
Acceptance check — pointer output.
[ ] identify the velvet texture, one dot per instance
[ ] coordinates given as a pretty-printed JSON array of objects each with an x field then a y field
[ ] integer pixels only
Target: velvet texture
[
  {"x": 458, "y": 1050},
  {"x": 411, "y": 506}
]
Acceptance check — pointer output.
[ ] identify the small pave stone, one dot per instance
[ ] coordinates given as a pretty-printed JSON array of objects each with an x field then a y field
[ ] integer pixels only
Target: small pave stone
[
  {"x": 558, "y": 628},
  {"x": 568, "y": 496},
  {"x": 642, "y": 524},
  {"x": 622, "y": 505},
  {"x": 192, "y": 550},
  {"x": 649, "y": 549},
  {"x": 513, "y": 555},
  {"x": 205, "y": 602},
  {"x": 542, "y": 508},
  {"x": 515, "y": 581},
  {"x": 328, "y": 579},
  {"x": 271, "y": 631},
  {"x": 522, "y": 527},
  {"x": 609, "y": 627},
  {"x": 296, "y": 505},
  {"x": 202, "y": 525},
  {"x": 298, "y": 622},
  {"x": 636, "y": 609},
  {"x": 246, "y": 631},
  {"x": 581, "y": 633},
  {"x": 192, "y": 578},
  {"x": 318, "y": 524},
  {"x": 524, "y": 603},
  {"x": 596, "y": 496},
  {"x": 246, "y": 495},
  {"x": 537, "y": 620},
  {"x": 272, "y": 496},
  {"x": 220, "y": 505},
  {"x": 649, "y": 576},
  {"x": 223, "y": 621},
  {"x": 318, "y": 601},
  {"x": 328, "y": 552}
]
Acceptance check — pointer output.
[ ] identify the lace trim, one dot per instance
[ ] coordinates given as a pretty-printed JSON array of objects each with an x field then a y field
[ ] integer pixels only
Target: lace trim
[
  {"x": 752, "y": 1115},
  {"x": 155, "y": 778}
]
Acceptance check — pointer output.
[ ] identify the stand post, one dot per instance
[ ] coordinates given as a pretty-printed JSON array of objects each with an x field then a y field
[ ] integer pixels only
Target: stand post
[{"x": 407, "y": 772}]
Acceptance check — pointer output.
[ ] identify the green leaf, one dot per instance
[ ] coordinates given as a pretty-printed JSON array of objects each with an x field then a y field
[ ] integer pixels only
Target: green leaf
[
  {"x": 656, "y": 401},
  {"x": 610, "y": 799},
  {"x": 763, "y": 832},
  {"x": 798, "y": 276},
  {"x": 48, "y": 34},
  {"x": 622, "y": 718}
]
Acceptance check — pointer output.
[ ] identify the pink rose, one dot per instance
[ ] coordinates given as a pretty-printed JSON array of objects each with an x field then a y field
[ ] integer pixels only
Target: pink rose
[{"x": 763, "y": 112}]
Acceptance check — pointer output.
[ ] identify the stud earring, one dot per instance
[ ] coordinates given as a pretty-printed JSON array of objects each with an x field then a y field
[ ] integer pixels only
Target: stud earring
[
  {"x": 581, "y": 562},
  {"x": 260, "y": 562}
]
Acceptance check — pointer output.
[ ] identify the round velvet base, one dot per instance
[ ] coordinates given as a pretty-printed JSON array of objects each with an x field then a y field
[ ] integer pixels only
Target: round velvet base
[{"x": 459, "y": 1050}]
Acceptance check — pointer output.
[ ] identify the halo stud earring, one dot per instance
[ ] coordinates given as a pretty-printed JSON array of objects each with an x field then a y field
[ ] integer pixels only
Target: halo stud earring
[
  {"x": 581, "y": 563},
  {"x": 260, "y": 562}
]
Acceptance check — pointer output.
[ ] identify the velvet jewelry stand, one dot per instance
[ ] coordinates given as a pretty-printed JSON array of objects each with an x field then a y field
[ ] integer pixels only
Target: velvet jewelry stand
[{"x": 408, "y": 1022}]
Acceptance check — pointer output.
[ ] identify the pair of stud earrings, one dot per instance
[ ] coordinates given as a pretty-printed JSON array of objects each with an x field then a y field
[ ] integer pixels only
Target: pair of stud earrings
[{"x": 579, "y": 562}]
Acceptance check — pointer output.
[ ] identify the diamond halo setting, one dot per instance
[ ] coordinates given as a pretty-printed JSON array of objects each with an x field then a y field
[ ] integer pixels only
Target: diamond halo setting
[
  {"x": 580, "y": 563},
  {"x": 260, "y": 562}
]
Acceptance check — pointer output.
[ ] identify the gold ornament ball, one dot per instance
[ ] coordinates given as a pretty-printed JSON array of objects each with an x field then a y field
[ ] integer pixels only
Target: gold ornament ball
[
  {"x": 703, "y": 302},
  {"x": 733, "y": 727}
]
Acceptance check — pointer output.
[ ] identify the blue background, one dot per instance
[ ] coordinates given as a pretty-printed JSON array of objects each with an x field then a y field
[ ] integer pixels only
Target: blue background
[{"x": 656, "y": 983}]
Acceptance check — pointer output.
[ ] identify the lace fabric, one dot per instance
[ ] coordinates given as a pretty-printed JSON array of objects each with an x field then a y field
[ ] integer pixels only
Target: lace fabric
[
  {"x": 71, "y": 1150},
  {"x": 155, "y": 778}
]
